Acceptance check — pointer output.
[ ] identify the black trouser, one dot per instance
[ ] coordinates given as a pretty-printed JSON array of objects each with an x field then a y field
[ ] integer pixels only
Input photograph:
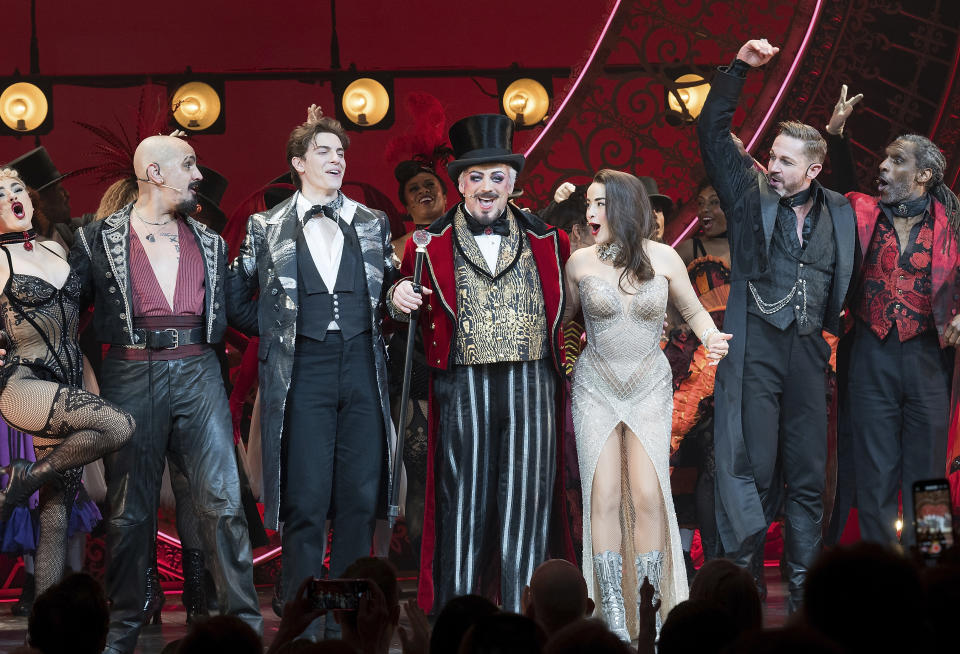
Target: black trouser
[
  {"x": 900, "y": 405},
  {"x": 333, "y": 456},
  {"x": 785, "y": 430},
  {"x": 495, "y": 465},
  {"x": 181, "y": 409}
]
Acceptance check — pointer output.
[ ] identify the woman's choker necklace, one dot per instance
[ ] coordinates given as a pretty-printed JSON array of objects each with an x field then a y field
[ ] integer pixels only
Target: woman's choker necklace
[
  {"x": 608, "y": 251},
  {"x": 26, "y": 238}
]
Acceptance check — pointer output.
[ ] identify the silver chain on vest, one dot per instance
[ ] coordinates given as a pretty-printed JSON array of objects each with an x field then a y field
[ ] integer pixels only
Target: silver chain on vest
[{"x": 768, "y": 308}]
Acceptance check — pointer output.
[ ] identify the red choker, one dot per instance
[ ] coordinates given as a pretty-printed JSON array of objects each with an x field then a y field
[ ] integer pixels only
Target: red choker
[{"x": 19, "y": 237}]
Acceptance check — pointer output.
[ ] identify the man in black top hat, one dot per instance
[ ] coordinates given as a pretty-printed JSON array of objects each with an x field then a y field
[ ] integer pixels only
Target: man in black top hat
[{"x": 492, "y": 335}]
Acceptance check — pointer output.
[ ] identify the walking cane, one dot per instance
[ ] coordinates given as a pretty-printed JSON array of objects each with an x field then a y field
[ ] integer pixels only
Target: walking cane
[{"x": 421, "y": 238}]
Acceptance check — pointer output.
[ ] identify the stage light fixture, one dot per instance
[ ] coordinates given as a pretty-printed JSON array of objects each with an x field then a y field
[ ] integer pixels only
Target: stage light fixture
[
  {"x": 685, "y": 98},
  {"x": 24, "y": 108},
  {"x": 366, "y": 102},
  {"x": 196, "y": 106},
  {"x": 525, "y": 101}
]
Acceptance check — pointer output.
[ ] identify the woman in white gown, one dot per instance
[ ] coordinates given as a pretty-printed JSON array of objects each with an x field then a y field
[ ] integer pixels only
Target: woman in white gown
[{"x": 622, "y": 399}]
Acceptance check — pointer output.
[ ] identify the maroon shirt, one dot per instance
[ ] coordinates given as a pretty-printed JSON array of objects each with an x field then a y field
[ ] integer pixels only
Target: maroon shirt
[
  {"x": 897, "y": 289},
  {"x": 148, "y": 297},
  {"x": 150, "y": 307}
]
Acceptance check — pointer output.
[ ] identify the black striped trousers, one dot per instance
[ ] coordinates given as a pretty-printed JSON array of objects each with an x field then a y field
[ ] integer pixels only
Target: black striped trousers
[{"x": 495, "y": 466}]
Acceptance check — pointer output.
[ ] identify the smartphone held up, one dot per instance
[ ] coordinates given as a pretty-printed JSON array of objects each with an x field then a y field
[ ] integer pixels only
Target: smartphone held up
[
  {"x": 337, "y": 594},
  {"x": 933, "y": 517}
]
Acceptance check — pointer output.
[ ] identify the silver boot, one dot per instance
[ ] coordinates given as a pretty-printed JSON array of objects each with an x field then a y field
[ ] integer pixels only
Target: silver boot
[
  {"x": 608, "y": 569},
  {"x": 650, "y": 565}
]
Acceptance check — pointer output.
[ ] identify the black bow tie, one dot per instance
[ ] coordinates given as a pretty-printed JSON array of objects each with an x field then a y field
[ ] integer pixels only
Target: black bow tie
[
  {"x": 317, "y": 209},
  {"x": 499, "y": 226}
]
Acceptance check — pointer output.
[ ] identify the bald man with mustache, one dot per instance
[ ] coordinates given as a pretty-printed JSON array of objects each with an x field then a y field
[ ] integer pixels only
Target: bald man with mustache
[{"x": 155, "y": 277}]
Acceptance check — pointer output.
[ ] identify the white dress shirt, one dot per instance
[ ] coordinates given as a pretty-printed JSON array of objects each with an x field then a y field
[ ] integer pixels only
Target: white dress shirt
[
  {"x": 325, "y": 242},
  {"x": 489, "y": 245}
]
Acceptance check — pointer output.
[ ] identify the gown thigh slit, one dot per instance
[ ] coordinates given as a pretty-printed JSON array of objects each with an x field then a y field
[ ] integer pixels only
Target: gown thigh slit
[{"x": 622, "y": 381}]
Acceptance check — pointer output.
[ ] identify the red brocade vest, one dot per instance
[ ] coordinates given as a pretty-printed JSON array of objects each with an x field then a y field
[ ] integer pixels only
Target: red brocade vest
[{"x": 897, "y": 289}]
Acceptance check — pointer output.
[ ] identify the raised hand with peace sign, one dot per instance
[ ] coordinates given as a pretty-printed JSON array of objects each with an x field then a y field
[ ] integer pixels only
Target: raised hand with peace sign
[{"x": 842, "y": 111}]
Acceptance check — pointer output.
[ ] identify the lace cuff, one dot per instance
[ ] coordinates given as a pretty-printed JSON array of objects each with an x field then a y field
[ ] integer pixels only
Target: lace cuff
[{"x": 395, "y": 312}]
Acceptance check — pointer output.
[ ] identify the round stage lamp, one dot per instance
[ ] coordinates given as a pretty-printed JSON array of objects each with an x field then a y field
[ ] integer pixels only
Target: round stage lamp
[
  {"x": 365, "y": 102},
  {"x": 693, "y": 90},
  {"x": 526, "y": 102},
  {"x": 196, "y": 106},
  {"x": 23, "y": 107}
]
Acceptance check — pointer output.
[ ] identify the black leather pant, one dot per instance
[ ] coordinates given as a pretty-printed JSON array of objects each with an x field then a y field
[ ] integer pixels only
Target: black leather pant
[
  {"x": 785, "y": 432},
  {"x": 181, "y": 410}
]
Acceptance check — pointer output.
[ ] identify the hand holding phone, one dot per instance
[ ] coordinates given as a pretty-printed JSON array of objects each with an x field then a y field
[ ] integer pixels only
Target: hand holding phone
[
  {"x": 933, "y": 517},
  {"x": 337, "y": 594}
]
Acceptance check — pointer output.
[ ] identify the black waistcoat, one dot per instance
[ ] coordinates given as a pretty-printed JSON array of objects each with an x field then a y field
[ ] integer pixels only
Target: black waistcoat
[
  {"x": 349, "y": 304},
  {"x": 809, "y": 270}
]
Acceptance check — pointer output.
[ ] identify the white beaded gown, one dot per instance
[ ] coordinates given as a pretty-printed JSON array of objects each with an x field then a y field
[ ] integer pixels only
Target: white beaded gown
[{"x": 623, "y": 376}]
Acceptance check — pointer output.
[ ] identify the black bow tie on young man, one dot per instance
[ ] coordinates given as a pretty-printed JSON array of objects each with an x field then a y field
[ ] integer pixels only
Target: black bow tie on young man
[
  {"x": 499, "y": 226},
  {"x": 327, "y": 210}
]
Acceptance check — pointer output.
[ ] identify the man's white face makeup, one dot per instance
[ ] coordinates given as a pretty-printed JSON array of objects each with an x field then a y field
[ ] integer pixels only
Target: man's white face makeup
[{"x": 486, "y": 189}]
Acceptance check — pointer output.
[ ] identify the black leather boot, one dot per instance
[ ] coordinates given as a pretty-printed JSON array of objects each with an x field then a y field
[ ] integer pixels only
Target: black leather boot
[
  {"x": 153, "y": 603},
  {"x": 25, "y": 478},
  {"x": 193, "y": 598},
  {"x": 277, "y": 600},
  {"x": 27, "y": 594}
]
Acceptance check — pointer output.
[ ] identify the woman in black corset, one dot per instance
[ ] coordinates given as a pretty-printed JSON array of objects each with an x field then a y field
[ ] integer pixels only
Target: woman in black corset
[{"x": 41, "y": 380}]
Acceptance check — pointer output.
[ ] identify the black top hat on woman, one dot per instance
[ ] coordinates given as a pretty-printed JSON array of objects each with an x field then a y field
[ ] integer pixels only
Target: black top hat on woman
[
  {"x": 36, "y": 169},
  {"x": 482, "y": 139}
]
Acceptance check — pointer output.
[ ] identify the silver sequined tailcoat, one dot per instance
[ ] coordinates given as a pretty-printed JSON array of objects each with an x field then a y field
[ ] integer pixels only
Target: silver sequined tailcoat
[{"x": 267, "y": 264}]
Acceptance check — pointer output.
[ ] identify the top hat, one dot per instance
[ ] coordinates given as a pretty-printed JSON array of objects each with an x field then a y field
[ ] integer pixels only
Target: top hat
[
  {"x": 482, "y": 139},
  {"x": 407, "y": 170},
  {"x": 279, "y": 190},
  {"x": 657, "y": 199},
  {"x": 36, "y": 169},
  {"x": 210, "y": 194}
]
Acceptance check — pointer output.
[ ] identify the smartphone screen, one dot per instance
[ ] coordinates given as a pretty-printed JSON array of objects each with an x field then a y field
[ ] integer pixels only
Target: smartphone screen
[
  {"x": 337, "y": 594},
  {"x": 933, "y": 517}
]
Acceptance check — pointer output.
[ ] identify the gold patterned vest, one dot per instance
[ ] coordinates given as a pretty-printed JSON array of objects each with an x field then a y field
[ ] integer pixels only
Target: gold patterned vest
[{"x": 499, "y": 317}]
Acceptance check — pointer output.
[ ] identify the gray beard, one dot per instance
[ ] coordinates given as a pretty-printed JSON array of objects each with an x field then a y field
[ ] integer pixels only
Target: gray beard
[{"x": 897, "y": 193}]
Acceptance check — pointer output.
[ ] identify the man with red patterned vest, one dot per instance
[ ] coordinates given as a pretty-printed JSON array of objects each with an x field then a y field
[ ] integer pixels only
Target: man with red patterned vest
[
  {"x": 492, "y": 282},
  {"x": 905, "y": 301}
]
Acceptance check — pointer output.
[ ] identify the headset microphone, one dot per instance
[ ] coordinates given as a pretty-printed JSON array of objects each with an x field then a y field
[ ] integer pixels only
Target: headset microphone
[{"x": 150, "y": 181}]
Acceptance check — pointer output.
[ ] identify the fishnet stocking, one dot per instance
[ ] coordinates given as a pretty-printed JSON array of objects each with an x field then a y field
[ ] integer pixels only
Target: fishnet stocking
[
  {"x": 70, "y": 428},
  {"x": 56, "y": 503},
  {"x": 75, "y": 427}
]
